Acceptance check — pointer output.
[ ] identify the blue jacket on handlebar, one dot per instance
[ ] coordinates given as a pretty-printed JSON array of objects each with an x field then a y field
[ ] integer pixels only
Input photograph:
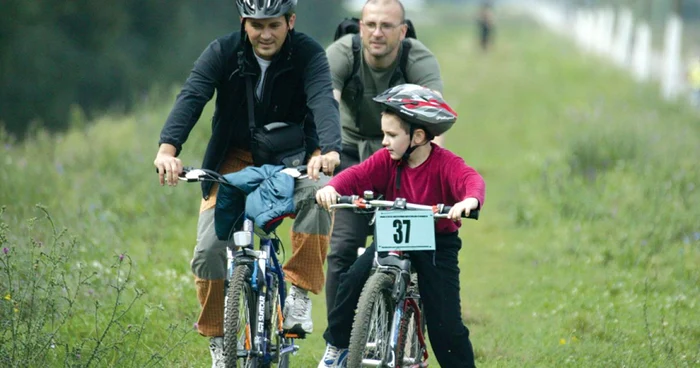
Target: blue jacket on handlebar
[{"x": 263, "y": 194}]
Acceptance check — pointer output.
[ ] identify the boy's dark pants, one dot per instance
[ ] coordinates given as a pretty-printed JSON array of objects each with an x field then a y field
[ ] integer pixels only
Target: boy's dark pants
[{"x": 438, "y": 282}]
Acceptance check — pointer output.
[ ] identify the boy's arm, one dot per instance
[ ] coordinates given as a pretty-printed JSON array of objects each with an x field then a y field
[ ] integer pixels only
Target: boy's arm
[
  {"x": 371, "y": 174},
  {"x": 467, "y": 187}
]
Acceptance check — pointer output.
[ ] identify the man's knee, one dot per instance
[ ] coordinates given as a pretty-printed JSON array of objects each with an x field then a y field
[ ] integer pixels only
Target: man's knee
[{"x": 209, "y": 258}]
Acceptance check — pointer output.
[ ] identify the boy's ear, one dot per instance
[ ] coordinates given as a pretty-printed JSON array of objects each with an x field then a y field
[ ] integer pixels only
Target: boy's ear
[{"x": 419, "y": 136}]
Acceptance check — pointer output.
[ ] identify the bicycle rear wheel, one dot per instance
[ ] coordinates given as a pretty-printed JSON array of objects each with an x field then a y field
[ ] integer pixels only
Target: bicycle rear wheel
[
  {"x": 371, "y": 330},
  {"x": 239, "y": 315},
  {"x": 409, "y": 348}
]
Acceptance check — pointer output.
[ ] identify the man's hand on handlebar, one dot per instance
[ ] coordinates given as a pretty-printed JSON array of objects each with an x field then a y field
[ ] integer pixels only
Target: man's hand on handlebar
[
  {"x": 326, "y": 197},
  {"x": 168, "y": 166},
  {"x": 463, "y": 207},
  {"x": 325, "y": 163}
]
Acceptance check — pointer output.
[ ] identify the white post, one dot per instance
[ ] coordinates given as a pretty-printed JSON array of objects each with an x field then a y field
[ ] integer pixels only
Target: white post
[
  {"x": 671, "y": 83},
  {"x": 607, "y": 22},
  {"x": 641, "y": 54},
  {"x": 621, "y": 47}
]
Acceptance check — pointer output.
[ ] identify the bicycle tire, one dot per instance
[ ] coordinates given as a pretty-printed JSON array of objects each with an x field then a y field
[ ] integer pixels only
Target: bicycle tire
[
  {"x": 407, "y": 340},
  {"x": 374, "y": 314},
  {"x": 239, "y": 290}
]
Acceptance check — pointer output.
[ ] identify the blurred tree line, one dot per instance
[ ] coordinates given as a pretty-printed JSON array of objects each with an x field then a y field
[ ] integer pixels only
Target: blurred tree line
[{"x": 100, "y": 55}]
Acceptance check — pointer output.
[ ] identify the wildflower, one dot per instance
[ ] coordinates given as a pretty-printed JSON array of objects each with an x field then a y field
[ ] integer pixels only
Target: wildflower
[
  {"x": 562, "y": 341},
  {"x": 15, "y": 310},
  {"x": 121, "y": 257},
  {"x": 195, "y": 326},
  {"x": 8, "y": 297},
  {"x": 5, "y": 250}
]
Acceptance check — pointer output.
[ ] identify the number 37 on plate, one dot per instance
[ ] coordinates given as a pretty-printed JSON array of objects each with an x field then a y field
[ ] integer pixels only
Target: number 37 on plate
[{"x": 405, "y": 230}]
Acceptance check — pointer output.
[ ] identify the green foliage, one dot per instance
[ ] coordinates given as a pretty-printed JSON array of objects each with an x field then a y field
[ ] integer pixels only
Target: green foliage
[{"x": 57, "y": 310}]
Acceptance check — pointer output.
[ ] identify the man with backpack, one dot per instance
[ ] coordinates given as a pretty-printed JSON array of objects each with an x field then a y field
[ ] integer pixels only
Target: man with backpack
[{"x": 383, "y": 54}]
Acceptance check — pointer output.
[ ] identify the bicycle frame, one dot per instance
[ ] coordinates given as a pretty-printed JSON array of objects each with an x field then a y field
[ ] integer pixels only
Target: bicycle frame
[{"x": 398, "y": 265}]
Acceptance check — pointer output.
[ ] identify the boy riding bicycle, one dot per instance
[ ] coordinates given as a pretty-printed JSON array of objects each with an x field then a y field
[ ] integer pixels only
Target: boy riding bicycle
[{"x": 413, "y": 168}]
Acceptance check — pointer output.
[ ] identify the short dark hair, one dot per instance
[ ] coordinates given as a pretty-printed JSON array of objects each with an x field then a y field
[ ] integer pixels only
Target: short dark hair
[{"x": 408, "y": 127}]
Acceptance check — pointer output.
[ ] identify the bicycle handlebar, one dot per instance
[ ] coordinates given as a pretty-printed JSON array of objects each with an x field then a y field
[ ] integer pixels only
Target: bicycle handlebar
[{"x": 439, "y": 210}]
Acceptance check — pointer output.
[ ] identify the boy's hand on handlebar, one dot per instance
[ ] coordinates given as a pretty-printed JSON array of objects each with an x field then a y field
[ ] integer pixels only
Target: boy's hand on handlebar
[
  {"x": 322, "y": 163},
  {"x": 168, "y": 166},
  {"x": 327, "y": 196},
  {"x": 463, "y": 207}
]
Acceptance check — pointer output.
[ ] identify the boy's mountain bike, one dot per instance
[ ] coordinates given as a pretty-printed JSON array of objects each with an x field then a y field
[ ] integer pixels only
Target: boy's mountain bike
[
  {"x": 255, "y": 294},
  {"x": 389, "y": 328}
]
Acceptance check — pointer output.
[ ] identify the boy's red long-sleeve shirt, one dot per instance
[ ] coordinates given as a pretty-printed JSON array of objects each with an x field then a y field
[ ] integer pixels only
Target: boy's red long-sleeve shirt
[{"x": 443, "y": 178}]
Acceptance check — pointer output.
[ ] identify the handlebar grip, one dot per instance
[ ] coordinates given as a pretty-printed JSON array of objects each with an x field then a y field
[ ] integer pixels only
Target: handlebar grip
[
  {"x": 473, "y": 214},
  {"x": 346, "y": 199}
]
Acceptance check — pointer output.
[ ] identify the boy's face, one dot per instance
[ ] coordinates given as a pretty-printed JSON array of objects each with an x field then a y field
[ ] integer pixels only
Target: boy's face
[
  {"x": 396, "y": 138},
  {"x": 268, "y": 35}
]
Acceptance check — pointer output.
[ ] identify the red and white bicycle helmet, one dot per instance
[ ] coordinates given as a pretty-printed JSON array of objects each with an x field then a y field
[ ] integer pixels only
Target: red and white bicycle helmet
[
  {"x": 262, "y": 9},
  {"x": 419, "y": 106}
]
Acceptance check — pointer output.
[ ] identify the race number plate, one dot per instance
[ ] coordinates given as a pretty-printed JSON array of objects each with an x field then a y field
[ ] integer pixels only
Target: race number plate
[{"x": 405, "y": 230}]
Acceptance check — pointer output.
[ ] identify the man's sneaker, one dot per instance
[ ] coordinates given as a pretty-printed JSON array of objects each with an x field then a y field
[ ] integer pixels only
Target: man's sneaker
[
  {"x": 216, "y": 348},
  {"x": 297, "y": 311},
  {"x": 333, "y": 357}
]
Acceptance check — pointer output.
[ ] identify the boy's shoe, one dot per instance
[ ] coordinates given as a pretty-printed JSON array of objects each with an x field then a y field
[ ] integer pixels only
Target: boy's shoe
[
  {"x": 216, "y": 348},
  {"x": 333, "y": 357},
  {"x": 297, "y": 311}
]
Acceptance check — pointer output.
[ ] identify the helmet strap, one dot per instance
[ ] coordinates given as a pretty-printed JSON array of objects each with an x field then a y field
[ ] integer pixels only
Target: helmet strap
[{"x": 404, "y": 158}]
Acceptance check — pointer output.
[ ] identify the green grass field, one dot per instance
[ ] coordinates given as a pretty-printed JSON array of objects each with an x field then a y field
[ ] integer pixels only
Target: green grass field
[{"x": 586, "y": 254}]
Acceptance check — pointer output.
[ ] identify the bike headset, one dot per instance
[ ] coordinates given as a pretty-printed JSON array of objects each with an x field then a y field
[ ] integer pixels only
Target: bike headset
[{"x": 420, "y": 107}]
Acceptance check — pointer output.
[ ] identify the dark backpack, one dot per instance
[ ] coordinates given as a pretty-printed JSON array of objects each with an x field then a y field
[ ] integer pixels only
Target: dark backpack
[{"x": 352, "y": 26}]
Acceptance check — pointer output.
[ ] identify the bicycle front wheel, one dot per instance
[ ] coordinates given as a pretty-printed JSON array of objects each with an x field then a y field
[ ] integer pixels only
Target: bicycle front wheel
[
  {"x": 371, "y": 330},
  {"x": 238, "y": 320}
]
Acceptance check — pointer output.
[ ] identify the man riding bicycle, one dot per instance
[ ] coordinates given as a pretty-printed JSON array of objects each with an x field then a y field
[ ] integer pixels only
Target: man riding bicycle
[
  {"x": 263, "y": 74},
  {"x": 412, "y": 167}
]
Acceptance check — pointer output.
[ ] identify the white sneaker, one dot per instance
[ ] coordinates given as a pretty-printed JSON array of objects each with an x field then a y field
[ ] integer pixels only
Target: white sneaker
[
  {"x": 216, "y": 348},
  {"x": 297, "y": 310},
  {"x": 333, "y": 357}
]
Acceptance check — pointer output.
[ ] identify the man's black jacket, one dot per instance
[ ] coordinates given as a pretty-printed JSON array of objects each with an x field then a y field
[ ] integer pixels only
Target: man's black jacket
[{"x": 297, "y": 88}]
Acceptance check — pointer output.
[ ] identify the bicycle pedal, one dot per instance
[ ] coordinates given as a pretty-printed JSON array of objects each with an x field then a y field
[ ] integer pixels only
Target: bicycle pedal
[{"x": 295, "y": 333}]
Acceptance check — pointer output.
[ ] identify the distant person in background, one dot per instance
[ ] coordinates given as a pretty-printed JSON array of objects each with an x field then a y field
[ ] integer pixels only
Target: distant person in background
[
  {"x": 694, "y": 79},
  {"x": 485, "y": 23}
]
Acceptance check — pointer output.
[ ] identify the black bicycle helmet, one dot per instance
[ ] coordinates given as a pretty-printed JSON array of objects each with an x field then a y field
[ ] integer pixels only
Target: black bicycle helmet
[
  {"x": 419, "y": 106},
  {"x": 261, "y": 9}
]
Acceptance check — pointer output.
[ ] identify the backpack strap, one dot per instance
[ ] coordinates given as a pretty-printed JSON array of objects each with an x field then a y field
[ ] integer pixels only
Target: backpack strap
[
  {"x": 403, "y": 64},
  {"x": 356, "y": 58}
]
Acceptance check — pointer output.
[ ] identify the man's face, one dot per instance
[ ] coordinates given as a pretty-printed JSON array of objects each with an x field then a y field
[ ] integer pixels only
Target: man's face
[
  {"x": 268, "y": 35},
  {"x": 396, "y": 139},
  {"x": 382, "y": 29}
]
